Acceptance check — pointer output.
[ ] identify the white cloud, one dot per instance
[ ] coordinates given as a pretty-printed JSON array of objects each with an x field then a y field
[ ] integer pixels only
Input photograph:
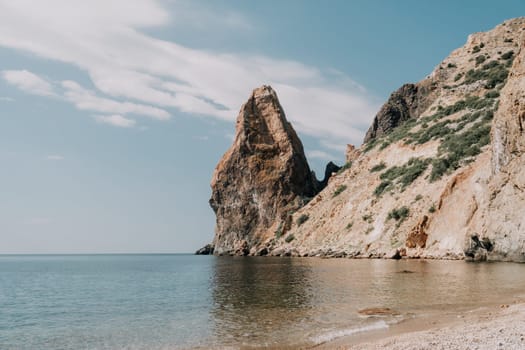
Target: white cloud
[
  {"x": 318, "y": 154},
  {"x": 54, "y": 157},
  {"x": 115, "y": 120},
  {"x": 7, "y": 99},
  {"x": 85, "y": 99},
  {"x": 151, "y": 75},
  {"x": 201, "y": 138},
  {"x": 28, "y": 82}
]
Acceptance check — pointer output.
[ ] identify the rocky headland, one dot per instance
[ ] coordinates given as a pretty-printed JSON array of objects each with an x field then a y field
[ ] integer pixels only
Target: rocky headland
[{"x": 441, "y": 172}]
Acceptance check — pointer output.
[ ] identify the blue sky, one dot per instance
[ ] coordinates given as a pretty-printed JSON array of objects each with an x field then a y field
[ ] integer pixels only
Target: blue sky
[{"x": 114, "y": 113}]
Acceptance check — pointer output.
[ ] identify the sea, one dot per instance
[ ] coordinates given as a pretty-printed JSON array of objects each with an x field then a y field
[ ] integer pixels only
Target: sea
[{"x": 206, "y": 302}]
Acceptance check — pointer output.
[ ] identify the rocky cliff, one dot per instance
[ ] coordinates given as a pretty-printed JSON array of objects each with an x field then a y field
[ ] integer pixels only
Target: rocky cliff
[
  {"x": 440, "y": 174},
  {"x": 262, "y": 178}
]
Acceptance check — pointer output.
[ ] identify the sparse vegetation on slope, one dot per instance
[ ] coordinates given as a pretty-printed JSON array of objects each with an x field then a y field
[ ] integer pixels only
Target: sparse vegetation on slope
[
  {"x": 378, "y": 167},
  {"x": 399, "y": 213},
  {"x": 493, "y": 73},
  {"x": 302, "y": 219},
  {"x": 339, "y": 190}
]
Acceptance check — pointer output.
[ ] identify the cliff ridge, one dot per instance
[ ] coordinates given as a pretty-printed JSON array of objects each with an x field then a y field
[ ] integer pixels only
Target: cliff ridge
[{"x": 439, "y": 175}]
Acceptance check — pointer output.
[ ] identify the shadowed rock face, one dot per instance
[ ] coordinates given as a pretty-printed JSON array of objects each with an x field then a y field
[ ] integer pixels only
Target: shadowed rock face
[
  {"x": 467, "y": 128},
  {"x": 330, "y": 169},
  {"x": 261, "y": 178},
  {"x": 405, "y": 103}
]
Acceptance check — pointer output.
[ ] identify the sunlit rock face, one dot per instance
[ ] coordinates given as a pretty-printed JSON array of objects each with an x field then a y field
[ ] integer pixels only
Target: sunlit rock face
[
  {"x": 441, "y": 173},
  {"x": 261, "y": 179}
]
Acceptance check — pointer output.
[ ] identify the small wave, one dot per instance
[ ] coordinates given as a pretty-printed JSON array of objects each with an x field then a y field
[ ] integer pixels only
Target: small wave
[{"x": 329, "y": 336}]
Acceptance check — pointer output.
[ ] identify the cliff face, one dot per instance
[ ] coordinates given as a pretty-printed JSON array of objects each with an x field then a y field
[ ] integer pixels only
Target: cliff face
[
  {"x": 263, "y": 176},
  {"x": 441, "y": 173},
  {"x": 406, "y": 103}
]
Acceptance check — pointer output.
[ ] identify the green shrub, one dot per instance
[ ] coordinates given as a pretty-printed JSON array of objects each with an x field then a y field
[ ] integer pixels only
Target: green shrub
[
  {"x": 289, "y": 238},
  {"x": 439, "y": 167},
  {"x": 368, "y": 218},
  {"x": 279, "y": 231},
  {"x": 492, "y": 94},
  {"x": 437, "y": 130},
  {"x": 480, "y": 59},
  {"x": 507, "y": 55},
  {"x": 432, "y": 209},
  {"x": 493, "y": 72},
  {"x": 413, "y": 171},
  {"x": 508, "y": 40},
  {"x": 458, "y": 148},
  {"x": 349, "y": 225},
  {"x": 384, "y": 145},
  {"x": 418, "y": 197},
  {"x": 382, "y": 187},
  {"x": 490, "y": 65},
  {"x": 399, "y": 214},
  {"x": 472, "y": 102},
  {"x": 476, "y": 49},
  {"x": 405, "y": 174},
  {"x": 302, "y": 219},
  {"x": 458, "y": 76},
  {"x": 339, "y": 190},
  {"x": 451, "y": 65},
  {"x": 378, "y": 167}
]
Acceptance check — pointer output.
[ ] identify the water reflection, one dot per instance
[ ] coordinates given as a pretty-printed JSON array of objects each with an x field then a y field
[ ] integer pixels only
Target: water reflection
[
  {"x": 271, "y": 301},
  {"x": 257, "y": 297}
]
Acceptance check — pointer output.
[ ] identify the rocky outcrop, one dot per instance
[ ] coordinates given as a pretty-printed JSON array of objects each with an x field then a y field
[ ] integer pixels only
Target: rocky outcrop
[
  {"x": 408, "y": 102},
  {"x": 206, "y": 250},
  {"x": 504, "y": 214},
  {"x": 441, "y": 175},
  {"x": 417, "y": 237},
  {"x": 262, "y": 178}
]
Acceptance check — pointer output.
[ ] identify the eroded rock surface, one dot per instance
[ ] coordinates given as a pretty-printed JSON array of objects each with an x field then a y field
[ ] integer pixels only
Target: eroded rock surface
[
  {"x": 261, "y": 179},
  {"x": 440, "y": 176},
  {"x": 408, "y": 102}
]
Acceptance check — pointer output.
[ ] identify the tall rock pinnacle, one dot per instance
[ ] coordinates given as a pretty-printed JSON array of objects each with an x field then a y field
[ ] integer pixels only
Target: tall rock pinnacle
[{"x": 261, "y": 178}]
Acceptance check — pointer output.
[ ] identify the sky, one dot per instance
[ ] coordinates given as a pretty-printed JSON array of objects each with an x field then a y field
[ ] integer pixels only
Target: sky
[{"x": 114, "y": 113}]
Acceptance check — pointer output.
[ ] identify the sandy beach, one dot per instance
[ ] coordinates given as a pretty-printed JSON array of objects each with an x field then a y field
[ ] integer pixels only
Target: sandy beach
[{"x": 496, "y": 327}]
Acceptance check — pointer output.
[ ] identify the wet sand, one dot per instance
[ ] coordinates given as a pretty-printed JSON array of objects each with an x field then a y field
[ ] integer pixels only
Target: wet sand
[{"x": 495, "y": 327}]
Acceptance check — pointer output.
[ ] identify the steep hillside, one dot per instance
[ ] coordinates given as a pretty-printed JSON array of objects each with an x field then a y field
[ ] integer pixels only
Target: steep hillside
[{"x": 439, "y": 175}]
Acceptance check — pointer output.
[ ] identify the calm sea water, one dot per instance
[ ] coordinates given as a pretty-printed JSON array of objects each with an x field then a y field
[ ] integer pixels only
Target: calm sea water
[{"x": 186, "y": 301}]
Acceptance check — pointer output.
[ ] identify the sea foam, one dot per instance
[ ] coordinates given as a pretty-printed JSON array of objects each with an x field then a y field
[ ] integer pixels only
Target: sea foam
[{"x": 332, "y": 335}]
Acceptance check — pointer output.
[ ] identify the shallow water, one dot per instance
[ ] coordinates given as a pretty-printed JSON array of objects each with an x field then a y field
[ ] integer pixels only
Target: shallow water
[{"x": 186, "y": 301}]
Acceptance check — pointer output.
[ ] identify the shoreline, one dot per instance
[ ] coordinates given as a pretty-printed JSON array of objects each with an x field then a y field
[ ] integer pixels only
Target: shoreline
[{"x": 488, "y": 327}]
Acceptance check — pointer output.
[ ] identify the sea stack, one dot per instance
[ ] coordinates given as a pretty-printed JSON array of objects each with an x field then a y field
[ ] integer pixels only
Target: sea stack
[
  {"x": 440, "y": 174},
  {"x": 261, "y": 179}
]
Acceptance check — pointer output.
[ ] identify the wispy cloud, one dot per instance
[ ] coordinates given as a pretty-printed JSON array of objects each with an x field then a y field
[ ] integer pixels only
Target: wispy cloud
[
  {"x": 6, "y": 99},
  {"x": 28, "y": 82},
  {"x": 54, "y": 157},
  {"x": 85, "y": 99},
  {"x": 152, "y": 76},
  {"x": 115, "y": 120}
]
